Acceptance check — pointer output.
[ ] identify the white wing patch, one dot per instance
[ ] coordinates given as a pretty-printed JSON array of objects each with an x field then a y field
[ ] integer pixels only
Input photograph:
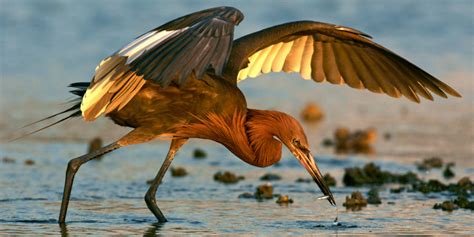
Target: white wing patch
[
  {"x": 114, "y": 85},
  {"x": 146, "y": 42}
]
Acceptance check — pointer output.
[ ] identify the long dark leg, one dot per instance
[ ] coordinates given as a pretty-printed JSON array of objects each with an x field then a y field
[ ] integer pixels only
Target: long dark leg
[
  {"x": 72, "y": 168},
  {"x": 138, "y": 135},
  {"x": 150, "y": 197}
]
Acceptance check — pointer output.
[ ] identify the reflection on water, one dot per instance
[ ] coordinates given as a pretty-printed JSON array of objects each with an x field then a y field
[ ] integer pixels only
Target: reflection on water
[
  {"x": 153, "y": 230},
  {"x": 63, "y": 228}
]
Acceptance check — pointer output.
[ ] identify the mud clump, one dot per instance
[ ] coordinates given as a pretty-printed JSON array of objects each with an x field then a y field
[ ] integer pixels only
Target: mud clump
[
  {"x": 227, "y": 177},
  {"x": 270, "y": 177},
  {"x": 431, "y": 186},
  {"x": 29, "y": 162},
  {"x": 358, "y": 142},
  {"x": 199, "y": 154},
  {"x": 8, "y": 160},
  {"x": 342, "y": 134},
  {"x": 355, "y": 202},
  {"x": 178, "y": 172},
  {"x": 329, "y": 180},
  {"x": 387, "y": 136},
  {"x": 463, "y": 187},
  {"x": 430, "y": 163},
  {"x": 373, "y": 197},
  {"x": 247, "y": 195},
  {"x": 94, "y": 145},
  {"x": 371, "y": 174},
  {"x": 397, "y": 190},
  {"x": 448, "y": 173},
  {"x": 264, "y": 191},
  {"x": 446, "y": 206},
  {"x": 463, "y": 202},
  {"x": 327, "y": 142},
  {"x": 464, "y": 182},
  {"x": 312, "y": 113},
  {"x": 303, "y": 180},
  {"x": 407, "y": 178},
  {"x": 284, "y": 200}
]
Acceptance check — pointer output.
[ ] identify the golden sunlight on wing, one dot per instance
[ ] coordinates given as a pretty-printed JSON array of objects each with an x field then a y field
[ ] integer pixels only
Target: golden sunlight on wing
[
  {"x": 293, "y": 59},
  {"x": 339, "y": 55},
  {"x": 267, "y": 65},
  {"x": 280, "y": 58},
  {"x": 256, "y": 67},
  {"x": 113, "y": 86},
  {"x": 306, "y": 59}
]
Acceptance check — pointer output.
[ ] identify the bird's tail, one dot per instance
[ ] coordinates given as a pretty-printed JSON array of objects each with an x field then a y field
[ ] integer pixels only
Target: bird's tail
[{"x": 79, "y": 89}]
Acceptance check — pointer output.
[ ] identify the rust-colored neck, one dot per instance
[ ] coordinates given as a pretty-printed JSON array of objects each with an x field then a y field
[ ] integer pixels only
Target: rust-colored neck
[{"x": 248, "y": 134}]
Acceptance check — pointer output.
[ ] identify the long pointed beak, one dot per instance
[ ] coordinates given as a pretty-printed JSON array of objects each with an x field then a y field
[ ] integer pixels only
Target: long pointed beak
[{"x": 307, "y": 160}]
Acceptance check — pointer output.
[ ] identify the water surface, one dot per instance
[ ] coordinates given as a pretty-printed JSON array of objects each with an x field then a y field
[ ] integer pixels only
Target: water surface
[{"x": 46, "y": 45}]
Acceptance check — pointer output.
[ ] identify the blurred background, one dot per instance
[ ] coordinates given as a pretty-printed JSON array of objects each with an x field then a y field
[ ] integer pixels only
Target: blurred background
[{"x": 46, "y": 45}]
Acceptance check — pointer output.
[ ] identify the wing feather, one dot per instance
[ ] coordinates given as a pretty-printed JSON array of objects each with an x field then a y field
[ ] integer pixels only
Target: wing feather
[
  {"x": 256, "y": 67},
  {"x": 329, "y": 65},
  {"x": 391, "y": 84},
  {"x": 194, "y": 43},
  {"x": 378, "y": 75},
  {"x": 317, "y": 71},
  {"x": 123, "y": 92},
  {"x": 134, "y": 88},
  {"x": 305, "y": 70},
  {"x": 345, "y": 67},
  {"x": 267, "y": 65},
  {"x": 428, "y": 83},
  {"x": 293, "y": 59},
  {"x": 280, "y": 58},
  {"x": 338, "y": 54},
  {"x": 363, "y": 72},
  {"x": 405, "y": 85}
]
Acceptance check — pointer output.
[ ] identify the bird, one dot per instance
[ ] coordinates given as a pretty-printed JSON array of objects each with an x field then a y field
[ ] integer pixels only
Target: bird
[{"x": 179, "y": 81}]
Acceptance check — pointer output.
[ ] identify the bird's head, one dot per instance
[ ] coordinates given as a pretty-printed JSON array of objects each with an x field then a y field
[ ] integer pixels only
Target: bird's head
[{"x": 291, "y": 134}]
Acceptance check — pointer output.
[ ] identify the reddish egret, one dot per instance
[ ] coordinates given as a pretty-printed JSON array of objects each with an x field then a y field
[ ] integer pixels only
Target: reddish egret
[{"x": 180, "y": 80}]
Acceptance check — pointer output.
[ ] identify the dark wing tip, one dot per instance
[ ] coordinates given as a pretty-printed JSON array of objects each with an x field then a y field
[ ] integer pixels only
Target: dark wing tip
[
  {"x": 231, "y": 13},
  {"x": 451, "y": 91}
]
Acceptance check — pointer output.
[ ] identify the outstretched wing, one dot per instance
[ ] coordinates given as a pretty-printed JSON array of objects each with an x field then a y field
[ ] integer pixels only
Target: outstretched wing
[
  {"x": 337, "y": 54},
  {"x": 169, "y": 53}
]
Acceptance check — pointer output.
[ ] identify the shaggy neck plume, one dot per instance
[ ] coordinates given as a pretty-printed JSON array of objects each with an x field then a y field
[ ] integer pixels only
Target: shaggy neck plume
[{"x": 250, "y": 136}]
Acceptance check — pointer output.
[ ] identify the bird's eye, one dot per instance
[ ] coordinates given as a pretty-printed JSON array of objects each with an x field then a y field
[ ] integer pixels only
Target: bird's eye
[{"x": 298, "y": 144}]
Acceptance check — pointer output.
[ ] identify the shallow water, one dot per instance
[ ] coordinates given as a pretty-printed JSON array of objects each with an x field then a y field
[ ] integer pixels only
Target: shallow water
[
  {"x": 47, "y": 45},
  {"x": 108, "y": 197}
]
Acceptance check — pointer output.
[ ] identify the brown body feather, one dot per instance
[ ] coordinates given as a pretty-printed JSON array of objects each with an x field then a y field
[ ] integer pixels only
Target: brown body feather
[
  {"x": 193, "y": 112},
  {"x": 250, "y": 134}
]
